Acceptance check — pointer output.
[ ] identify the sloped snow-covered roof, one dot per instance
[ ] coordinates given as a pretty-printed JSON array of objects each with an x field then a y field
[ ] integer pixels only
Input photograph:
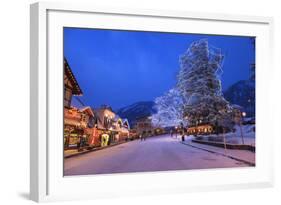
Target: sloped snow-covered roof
[
  {"x": 68, "y": 72},
  {"x": 117, "y": 117},
  {"x": 125, "y": 120},
  {"x": 235, "y": 106},
  {"x": 87, "y": 109}
]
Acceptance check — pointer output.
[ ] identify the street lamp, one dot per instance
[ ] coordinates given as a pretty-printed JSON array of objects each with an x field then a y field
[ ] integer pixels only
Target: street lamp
[
  {"x": 243, "y": 114},
  {"x": 176, "y": 131}
]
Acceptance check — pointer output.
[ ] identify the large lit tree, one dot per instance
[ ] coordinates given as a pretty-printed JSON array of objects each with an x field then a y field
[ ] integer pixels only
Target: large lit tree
[
  {"x": 199, "y": 84},
  {"x": 169, "y": 109}
]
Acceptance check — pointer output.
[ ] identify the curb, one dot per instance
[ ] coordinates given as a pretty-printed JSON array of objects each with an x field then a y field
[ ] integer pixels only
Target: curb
[
  {"x": 225, "y": 155},
  {"x": 228, "y": 145},
  {"x": 92, "y": 150}
]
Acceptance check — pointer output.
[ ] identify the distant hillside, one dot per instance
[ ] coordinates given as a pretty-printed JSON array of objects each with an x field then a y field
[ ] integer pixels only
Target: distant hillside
[
  {"x": 242, "y": 93},
  {"x": 137, "y": 110}
]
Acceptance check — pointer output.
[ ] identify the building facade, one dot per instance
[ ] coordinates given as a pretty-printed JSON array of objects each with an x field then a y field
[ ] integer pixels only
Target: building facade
[
  {"x": 85, "y": 126},
  {"x": 71, "y": 86},
  {"x": 110, "y": 123},
  {"x": 144, "y": 126},
  {"x": 76, "y": 123},
  {"x": 75, "y": 120}
]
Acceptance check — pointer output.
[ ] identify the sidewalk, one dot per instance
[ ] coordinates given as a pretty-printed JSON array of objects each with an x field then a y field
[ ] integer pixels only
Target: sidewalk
[
  {"x": 245, "y": 156},
  {"x": 74, "y": 152},
  {"x": 228, "y": 145}
]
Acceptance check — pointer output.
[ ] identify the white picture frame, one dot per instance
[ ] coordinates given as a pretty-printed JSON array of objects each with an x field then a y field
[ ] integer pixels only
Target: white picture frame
[{"x": 46, "y": 111}]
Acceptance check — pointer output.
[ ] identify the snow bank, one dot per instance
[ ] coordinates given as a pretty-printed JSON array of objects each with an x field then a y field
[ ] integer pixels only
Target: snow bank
[{"x": 248, "y": 132}]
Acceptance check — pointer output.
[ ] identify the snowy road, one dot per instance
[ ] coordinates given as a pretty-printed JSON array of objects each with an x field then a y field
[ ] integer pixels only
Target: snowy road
[{"x": 155, "y": 154}]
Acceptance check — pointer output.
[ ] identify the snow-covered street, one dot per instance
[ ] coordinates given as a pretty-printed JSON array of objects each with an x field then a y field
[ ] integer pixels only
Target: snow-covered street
[{"x": 160, "y": 153}]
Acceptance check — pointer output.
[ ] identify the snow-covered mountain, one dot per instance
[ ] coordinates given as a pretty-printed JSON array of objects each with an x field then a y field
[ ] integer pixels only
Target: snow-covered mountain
[
  {"x": 137, "y": 110},
  {"x": 242, "y": 93}
]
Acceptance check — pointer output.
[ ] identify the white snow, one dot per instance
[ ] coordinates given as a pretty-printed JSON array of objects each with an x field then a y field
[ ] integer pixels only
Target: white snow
[{"x": 248, "y": 132}]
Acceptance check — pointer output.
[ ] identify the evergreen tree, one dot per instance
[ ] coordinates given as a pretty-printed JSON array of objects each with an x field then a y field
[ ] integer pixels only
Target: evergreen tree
[
  {"x": 169, "y": 109},
  {"x": 199, "y": 84}
]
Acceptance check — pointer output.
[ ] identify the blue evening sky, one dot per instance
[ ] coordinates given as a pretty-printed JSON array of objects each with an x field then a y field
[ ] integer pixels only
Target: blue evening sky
[{"x": 119, "y": 68}]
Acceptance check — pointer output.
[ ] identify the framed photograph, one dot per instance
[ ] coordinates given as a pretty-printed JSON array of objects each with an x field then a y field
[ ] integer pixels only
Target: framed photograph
[{"x": 132, "y": 102}]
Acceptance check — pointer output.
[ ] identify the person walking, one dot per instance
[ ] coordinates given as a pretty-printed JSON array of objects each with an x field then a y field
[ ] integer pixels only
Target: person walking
[
  {"x": 140, "y": 137},
  {"x": 144, "y": 137},
  {"x": 171, "y": 133},
  {"x": 182, "y": 132},
  {"x": 182, "y": 135}
]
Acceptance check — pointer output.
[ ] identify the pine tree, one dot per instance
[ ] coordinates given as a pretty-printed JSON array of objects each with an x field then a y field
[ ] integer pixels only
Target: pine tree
[
  {"x": 169, "y": 109},
  {"x": 199, "y": 84}
]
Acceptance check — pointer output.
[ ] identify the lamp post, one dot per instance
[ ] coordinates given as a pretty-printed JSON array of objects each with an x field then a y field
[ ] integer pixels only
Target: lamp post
[
  {"x": 221, "y": 122},
  {"x": 243, "y": 114}
]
